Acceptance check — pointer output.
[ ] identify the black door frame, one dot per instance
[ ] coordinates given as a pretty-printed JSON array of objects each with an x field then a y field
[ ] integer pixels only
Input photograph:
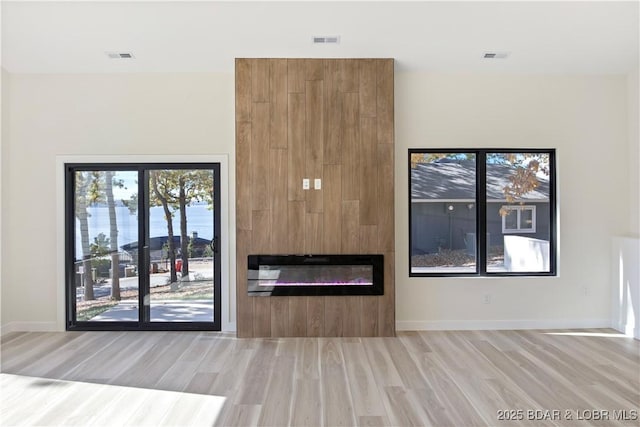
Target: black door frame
[{"x": 143, "y": 323}]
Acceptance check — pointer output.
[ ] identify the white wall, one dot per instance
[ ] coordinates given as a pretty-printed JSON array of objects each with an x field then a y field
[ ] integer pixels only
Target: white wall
[
  {"x": 123, "y": 114},
  {"x": 633, "y": 114},
  {"x": 4, "y": 137},
  {"x": 585, "y": 118}
]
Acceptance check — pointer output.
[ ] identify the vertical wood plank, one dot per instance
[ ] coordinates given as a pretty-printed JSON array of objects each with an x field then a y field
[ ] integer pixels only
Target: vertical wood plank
[
  {"x": 279, "y": 101},
  {"x": 333, "y": 115},
  {"x": 332, "y": 204},
  {"x": 295, "y": 227},
  {"x": 260, "y": 71},
  {"x": 335, "y": 309},
  {"x": 313, "y": 69},
  {"x": 367, "y": 72},
  {"x": 243, "y": 90},
  {"x": 244, "y": 303},
  {"x": 313, "y": 235},
  {"x": 260, "y": 235},
  {"x": 315, "y": 316},
  {"x": 297, "y": 326},
  {"x": 260, "y": 244},
  {"x": 368, "y": 154},
  {"x": 350, "y": 147},
  {"x": 369, "y": 325},
  {"x": 279, "y": 229},
  {"x": 262, "y": 317},
  {"x": 243, "y": 175},
  {"x": 385, "y": 198},
  {"x": 314, "y": 141},
  {"x": 387, "y": 304},
  {"x": 296, "y": 148},
  {"x": 368, "y": 239},
  {"x": 384, "y": 101},
  {"x": 348, "y": 75},
  {"x": 279, "y": 316},
  {"x": 350, "y": 228},
  {"x": 260, "y": 156},
  {"x": 295, "y": 75},
  {"x": 353, "y": 316}
]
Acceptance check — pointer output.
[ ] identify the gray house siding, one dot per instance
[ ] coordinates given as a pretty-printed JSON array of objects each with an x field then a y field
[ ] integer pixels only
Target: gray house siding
[{"x": 433, "y": 228}]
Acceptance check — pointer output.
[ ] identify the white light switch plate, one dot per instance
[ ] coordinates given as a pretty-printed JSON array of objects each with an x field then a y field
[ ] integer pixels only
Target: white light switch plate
[
  {"x": 305, "y": 183},
  {"x": 317, "y": 184}
]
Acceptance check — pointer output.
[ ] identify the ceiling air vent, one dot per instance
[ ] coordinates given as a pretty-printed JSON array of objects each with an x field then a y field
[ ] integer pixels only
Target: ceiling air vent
[
  {"x": 495, "y": 55},
  {"x": 326, "y": 39},
  {"x": 120, "y": 55}
]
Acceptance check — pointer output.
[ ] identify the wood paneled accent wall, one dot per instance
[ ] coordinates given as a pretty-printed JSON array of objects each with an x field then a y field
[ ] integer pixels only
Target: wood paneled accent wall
[{"x": 314, "y": 118}]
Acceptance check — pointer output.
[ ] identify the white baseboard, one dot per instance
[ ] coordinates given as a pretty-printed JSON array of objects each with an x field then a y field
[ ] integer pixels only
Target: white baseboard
[
  {"x": 470, "y": 325},
  {"x": 53, "y": 327},
  {"x": 401, "y": 325},
  {"x": 229, "y": 327},
  {"x": 30, "y": 327}
]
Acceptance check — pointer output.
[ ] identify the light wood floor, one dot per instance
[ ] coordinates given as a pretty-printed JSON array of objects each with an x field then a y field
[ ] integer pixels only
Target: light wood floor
[{"x": 419, "y": 378}]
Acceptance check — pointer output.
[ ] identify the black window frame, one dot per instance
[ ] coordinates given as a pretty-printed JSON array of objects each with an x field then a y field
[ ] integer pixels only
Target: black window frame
[
  {"x": 481, "y": 212},
  {"x": 144, "y": 323}
]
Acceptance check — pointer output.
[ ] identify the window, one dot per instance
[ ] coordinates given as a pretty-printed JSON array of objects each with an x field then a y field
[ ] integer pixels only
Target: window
[
  {"x": 142, "y": 248},
  {"x": 518, "y": 219},
  {"x": 482, "y": 212}
]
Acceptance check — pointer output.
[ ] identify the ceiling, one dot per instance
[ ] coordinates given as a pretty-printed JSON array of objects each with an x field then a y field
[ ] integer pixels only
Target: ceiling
[{"x": 203, "y": 36}]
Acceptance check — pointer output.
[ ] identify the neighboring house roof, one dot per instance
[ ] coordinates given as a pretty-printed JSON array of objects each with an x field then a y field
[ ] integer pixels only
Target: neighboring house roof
[{"x": 455, "y": 180}]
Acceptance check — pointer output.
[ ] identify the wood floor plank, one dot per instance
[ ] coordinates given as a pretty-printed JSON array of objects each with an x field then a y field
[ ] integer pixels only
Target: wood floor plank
[
  {"x": 385, "y": 371},
  {"x": 276, "y": 410},
  {"x": 366, "y": 397},
  {"x": 227, "y": 380},
  {"x": 257, "y": 376},
  {"x": 308, "y": 362},
  {"x": 307, "y": 403},
  {"x": 149, "y": 360},
  {"x": 403, "y": 408},
  {"x": 109, "y": 359},
  {"x": 369, "y": 421},
  {"x": 337, "y": 407},
  {"x": 460, "y": 378},
  {"x": 30, "y": 351},
  {"x": 455, "y": 405},
  {"x": 68, "y": 356},
  {"x": 241, "y": 416}
]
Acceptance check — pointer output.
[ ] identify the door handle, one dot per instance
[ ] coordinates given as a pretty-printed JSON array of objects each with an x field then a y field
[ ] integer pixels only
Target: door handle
[{"x": 214, "y": 245}]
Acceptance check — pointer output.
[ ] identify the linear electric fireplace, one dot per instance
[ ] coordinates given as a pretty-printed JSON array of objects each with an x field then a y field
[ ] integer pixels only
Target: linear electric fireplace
[{"x": 297, "y": 275}]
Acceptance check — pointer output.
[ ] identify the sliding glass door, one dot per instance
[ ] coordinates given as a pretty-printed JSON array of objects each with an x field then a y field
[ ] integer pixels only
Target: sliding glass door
[{"x": 142, "y": 246}]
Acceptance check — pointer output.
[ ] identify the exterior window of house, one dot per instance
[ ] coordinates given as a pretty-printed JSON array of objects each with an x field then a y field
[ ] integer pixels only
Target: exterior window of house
[
  {"x": 482, "y": 212},
  {"x": 519, "y": 219}
]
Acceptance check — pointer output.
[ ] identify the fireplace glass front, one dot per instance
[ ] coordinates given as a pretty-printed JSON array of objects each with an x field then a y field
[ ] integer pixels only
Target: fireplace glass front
[{"x": 280, "y": 275}]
